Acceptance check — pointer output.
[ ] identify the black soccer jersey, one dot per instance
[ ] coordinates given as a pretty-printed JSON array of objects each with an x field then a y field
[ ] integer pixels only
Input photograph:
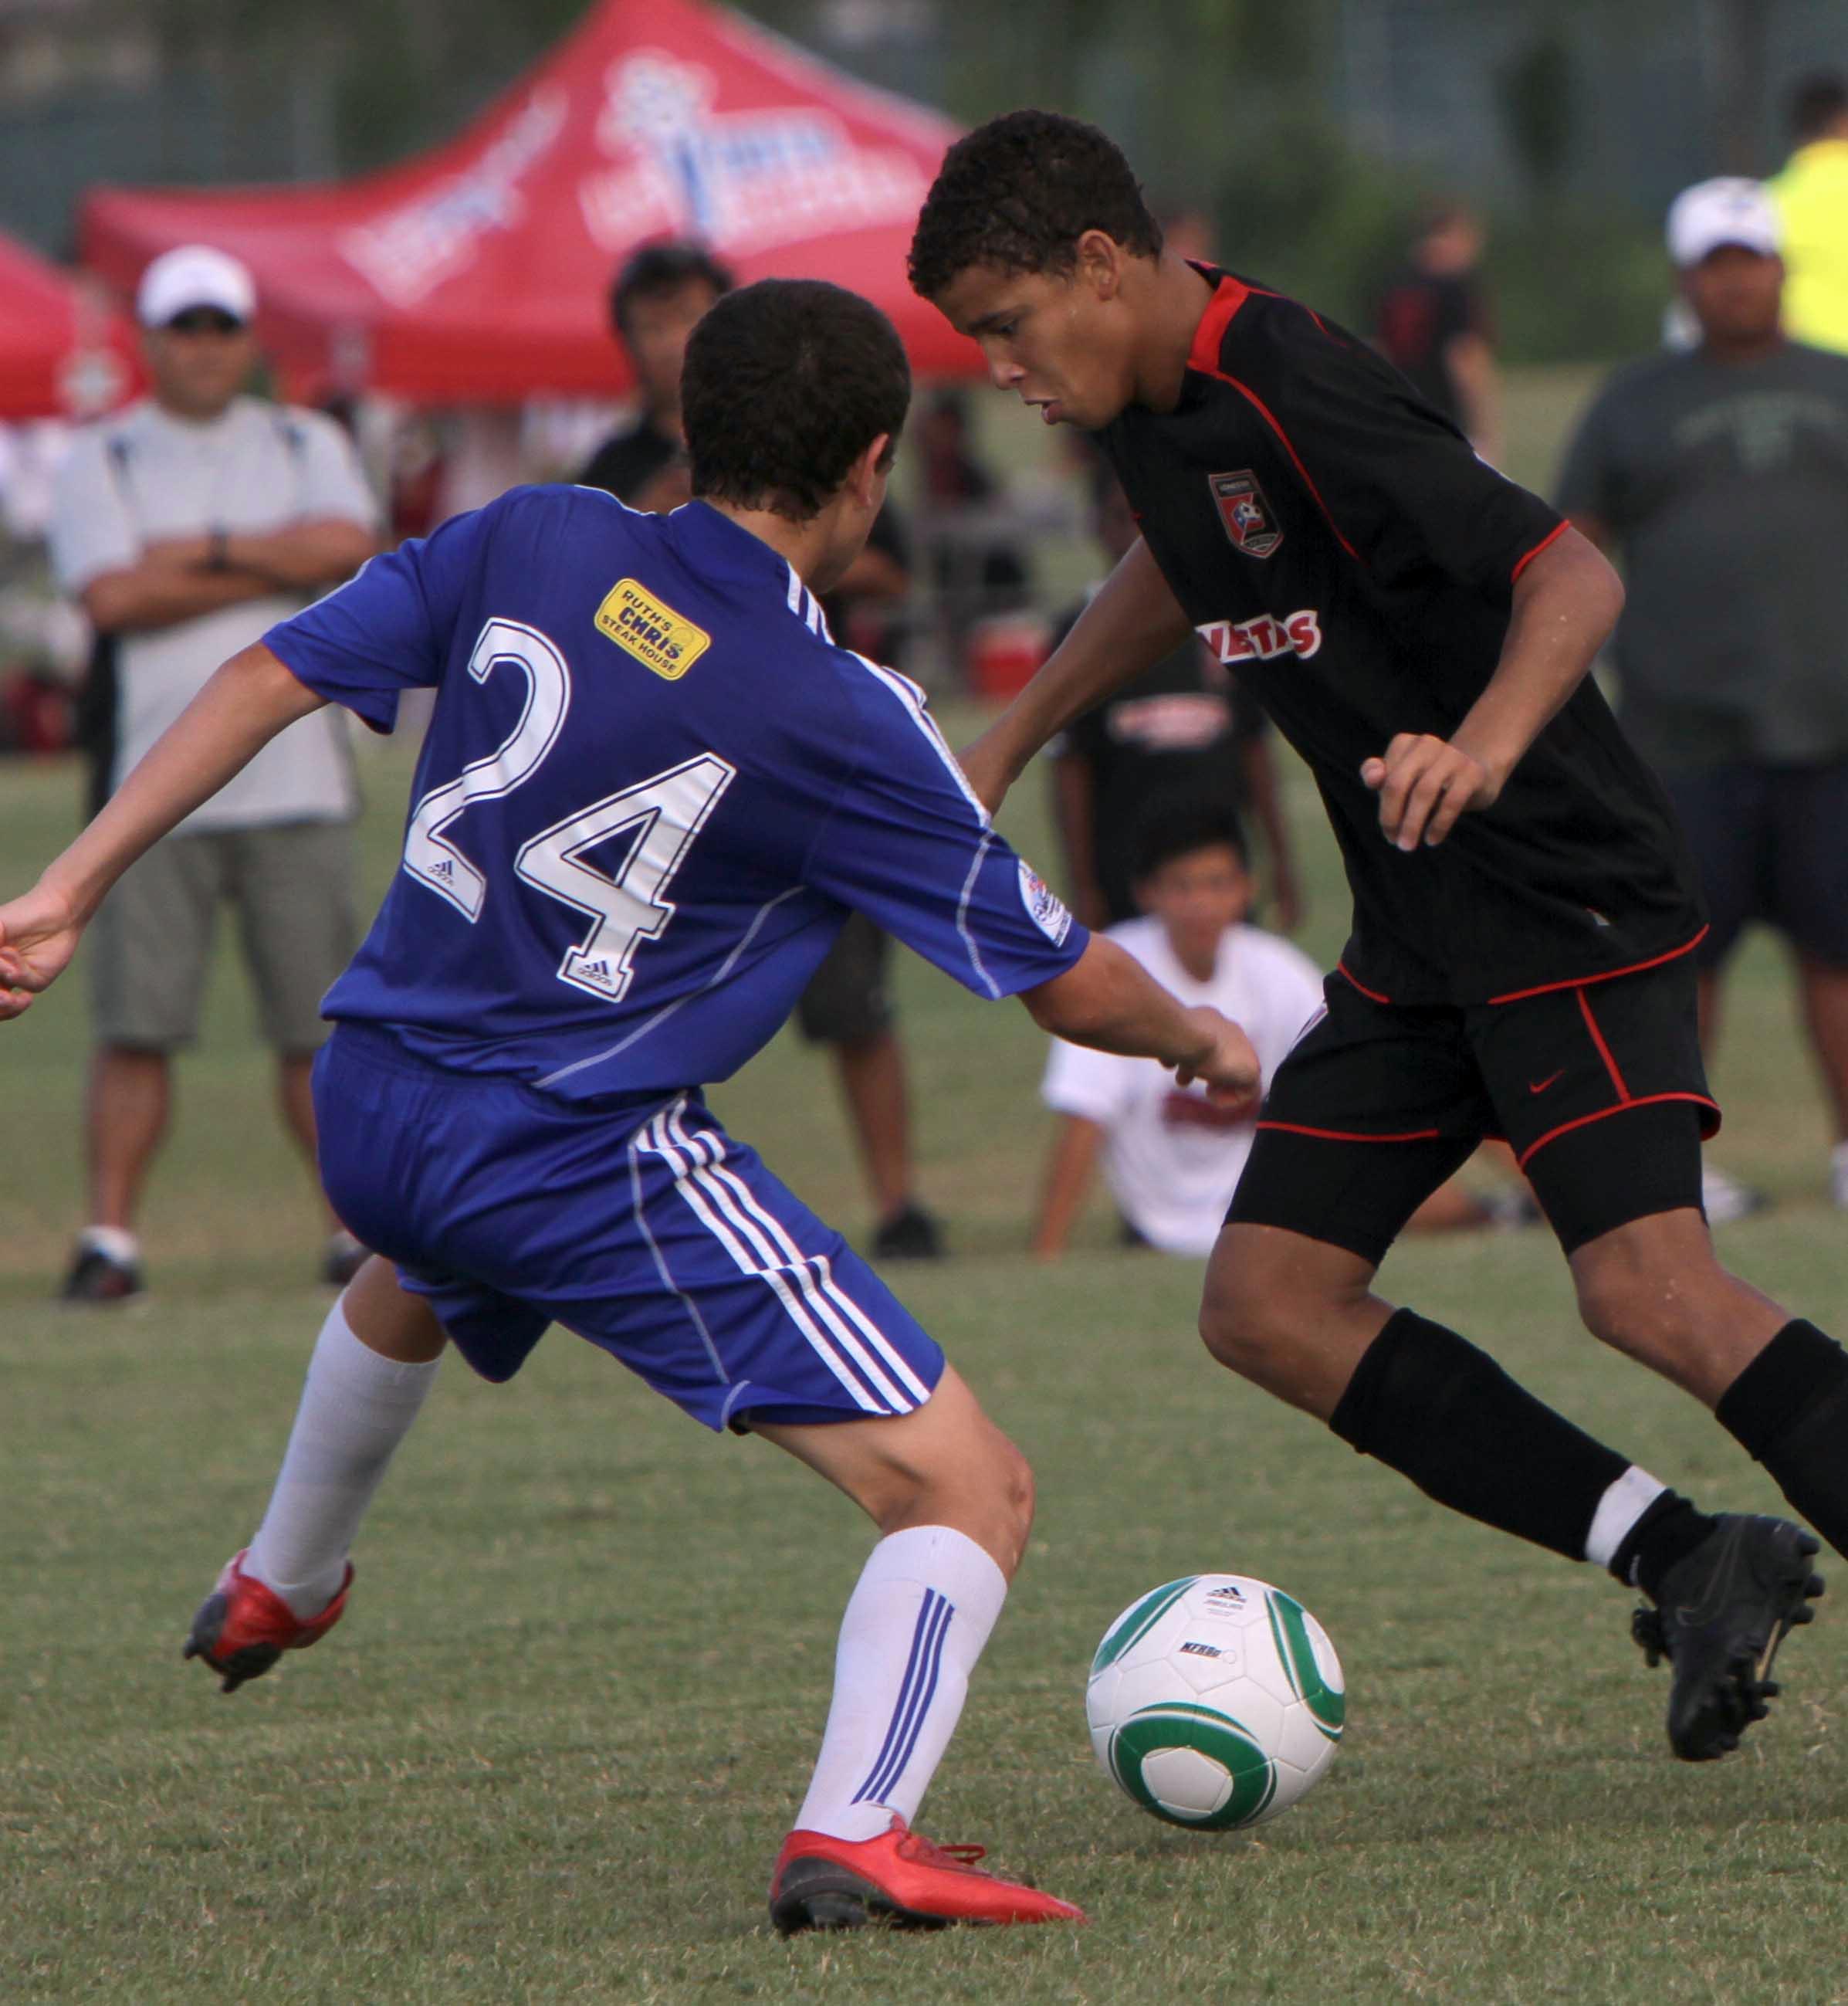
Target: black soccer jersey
[{"x": 1339, "y": 544}]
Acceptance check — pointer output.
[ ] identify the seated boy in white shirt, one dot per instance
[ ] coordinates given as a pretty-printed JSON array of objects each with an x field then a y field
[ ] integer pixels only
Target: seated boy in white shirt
[{"x": 1172, "y": 1160}]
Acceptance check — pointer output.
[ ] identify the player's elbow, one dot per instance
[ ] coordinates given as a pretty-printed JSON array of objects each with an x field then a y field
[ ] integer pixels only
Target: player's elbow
[{"x": 1068, "y": 1006}]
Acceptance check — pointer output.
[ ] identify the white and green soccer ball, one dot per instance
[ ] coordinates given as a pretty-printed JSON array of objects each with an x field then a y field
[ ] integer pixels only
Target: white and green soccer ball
[{"x": 1215, "y": 1702}]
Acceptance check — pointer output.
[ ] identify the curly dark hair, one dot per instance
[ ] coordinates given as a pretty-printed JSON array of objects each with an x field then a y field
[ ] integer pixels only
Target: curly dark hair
[
  {"x": 786, "y": 383},
  {"x": 664, "y": 265},
  {"x": 1019, "y": 192}
]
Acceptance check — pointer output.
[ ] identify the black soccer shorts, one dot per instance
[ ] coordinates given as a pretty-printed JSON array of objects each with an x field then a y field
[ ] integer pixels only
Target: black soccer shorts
[{"x": 1598, "y": 1087}]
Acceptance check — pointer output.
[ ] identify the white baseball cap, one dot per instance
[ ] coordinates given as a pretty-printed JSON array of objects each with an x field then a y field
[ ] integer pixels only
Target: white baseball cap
[
  {"x": 1728, "y": 210},
  {"x": 194, "y": 275}
]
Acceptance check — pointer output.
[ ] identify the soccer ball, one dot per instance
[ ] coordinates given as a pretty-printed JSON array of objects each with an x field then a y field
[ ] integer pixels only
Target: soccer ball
[{"x": 1215, "y": 1702}]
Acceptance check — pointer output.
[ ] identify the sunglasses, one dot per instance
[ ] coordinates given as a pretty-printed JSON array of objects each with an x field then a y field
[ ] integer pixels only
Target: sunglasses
[{"x": 204, "y": 320}]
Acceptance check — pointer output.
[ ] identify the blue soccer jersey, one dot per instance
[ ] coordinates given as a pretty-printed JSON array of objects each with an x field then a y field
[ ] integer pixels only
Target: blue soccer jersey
[{"x": 651, "y": 790}]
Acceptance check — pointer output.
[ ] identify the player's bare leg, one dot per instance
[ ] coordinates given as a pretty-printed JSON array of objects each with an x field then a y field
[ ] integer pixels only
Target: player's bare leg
[
  {"x": 372, "y": 1366},
  {"x": 1656, "y": 1291},
  {"x": 953, "y": 1499},
  {"x": 1292, "y": 1314},
  {"x": 1297, "y": 1316}
]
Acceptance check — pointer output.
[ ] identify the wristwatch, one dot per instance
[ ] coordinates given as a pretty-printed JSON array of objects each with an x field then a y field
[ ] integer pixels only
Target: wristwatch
[{"x": 218, "y": 557}]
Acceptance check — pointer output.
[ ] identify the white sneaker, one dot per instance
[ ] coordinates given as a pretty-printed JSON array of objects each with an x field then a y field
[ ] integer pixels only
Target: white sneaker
[
  {"x": 1838, "y": 1175},
  {"x": 1724, "y": 1198}
]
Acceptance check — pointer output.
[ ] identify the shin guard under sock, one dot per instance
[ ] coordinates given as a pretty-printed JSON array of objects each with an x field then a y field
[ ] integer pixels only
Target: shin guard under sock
[
  {"x": 1789, "y": 1410},
  {"x": 1429, "y": 1404}
]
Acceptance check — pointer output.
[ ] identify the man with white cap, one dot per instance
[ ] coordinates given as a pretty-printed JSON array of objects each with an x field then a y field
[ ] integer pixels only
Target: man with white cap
[
  {"x": 186, "y": 526},
  {"x": 1721, "y": 474}
]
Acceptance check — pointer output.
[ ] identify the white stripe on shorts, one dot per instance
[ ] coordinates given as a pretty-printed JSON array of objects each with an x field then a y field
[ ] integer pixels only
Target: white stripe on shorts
[
  {"x": 712, "y": 1207},
  {"x": 816, "y": 1271}
]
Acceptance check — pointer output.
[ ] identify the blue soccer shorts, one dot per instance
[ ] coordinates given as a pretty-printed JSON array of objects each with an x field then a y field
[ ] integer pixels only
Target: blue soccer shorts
[{"x": 643, "y": 1227}]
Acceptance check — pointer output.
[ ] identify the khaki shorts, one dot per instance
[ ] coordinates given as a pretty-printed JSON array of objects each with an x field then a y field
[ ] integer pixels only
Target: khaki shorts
[{"x": 150, "y": 944}]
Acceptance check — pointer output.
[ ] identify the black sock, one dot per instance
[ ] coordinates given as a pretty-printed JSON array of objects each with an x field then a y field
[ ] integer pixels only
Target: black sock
[
  {"x": 1667, "y": 1531},
  {"x": 1427, "y": 1403},
  {"x": 1789, "y": 1410}
]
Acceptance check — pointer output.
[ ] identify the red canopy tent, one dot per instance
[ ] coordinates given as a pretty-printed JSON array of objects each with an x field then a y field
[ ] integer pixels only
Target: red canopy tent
[
  {"x": 64, "y": 353},
  {"x": 480, "y": 273}
]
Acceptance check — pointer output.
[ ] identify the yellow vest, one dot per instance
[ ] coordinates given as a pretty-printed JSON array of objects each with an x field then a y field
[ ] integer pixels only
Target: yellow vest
[{"x": 1812, "y": 198}]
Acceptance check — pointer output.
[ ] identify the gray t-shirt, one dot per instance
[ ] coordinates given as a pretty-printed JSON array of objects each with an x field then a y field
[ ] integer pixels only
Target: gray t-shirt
[
  {"x": 1727, "y": 488},
  {"x": 144, "y": 475}
]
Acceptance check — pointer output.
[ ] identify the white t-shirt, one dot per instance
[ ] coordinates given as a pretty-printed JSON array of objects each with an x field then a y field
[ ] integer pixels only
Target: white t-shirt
[
  {"x": 1174, "y": 1176},
  {"x": 145, "y": 475}
]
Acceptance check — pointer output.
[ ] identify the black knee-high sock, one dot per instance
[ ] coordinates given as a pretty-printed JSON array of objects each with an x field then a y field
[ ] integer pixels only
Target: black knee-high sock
[
  {"x": 1789, "y": 1410},
  {"x": 1429, "y": 1404}
]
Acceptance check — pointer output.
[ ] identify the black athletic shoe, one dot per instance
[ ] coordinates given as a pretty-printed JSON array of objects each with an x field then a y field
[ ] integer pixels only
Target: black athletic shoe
[
  {"x": 912, "y": 1234},
  {"x": 1724, "y": 1608},
  {"x": 97, "y": 1277}
]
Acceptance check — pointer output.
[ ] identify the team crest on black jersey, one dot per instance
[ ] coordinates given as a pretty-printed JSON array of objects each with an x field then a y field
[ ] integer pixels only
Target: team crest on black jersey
[{"x": 1247, "y": 515}]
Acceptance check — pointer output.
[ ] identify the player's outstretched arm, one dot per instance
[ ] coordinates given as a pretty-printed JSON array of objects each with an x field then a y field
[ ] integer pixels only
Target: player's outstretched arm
[
  {"x": 246, "y": 703},
  {"x": 1134, "y": 620},
  {"x": 1565, "y": 604},
  {"x": 1107, "y": 999}
]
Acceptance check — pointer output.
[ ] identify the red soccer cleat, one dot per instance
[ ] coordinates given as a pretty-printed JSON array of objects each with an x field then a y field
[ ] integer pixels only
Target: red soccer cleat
[
  {"x": 242, "y": 1627},
  {"x": 900, "y": 1877}
]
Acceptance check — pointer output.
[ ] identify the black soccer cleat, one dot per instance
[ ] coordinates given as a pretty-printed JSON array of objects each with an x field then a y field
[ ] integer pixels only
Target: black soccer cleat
[{"x": 1724, "y": 1609}]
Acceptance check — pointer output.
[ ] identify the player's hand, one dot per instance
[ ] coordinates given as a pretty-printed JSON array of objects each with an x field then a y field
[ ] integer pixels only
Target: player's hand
[
  {"x": 989, "y": 770},
  {"x": 38, "y": 935},
  {"x": 1227, "y": 1064},
  {"x": 1423, "y": 784}
]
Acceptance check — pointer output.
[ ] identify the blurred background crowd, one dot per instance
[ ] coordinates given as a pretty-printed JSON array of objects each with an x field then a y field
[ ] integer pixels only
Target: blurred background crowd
[{"x": 281, "y": 285}]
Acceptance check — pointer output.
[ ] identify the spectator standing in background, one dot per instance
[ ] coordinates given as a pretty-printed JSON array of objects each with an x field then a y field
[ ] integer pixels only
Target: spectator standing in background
[
  {"x": 1721, "y": 474},
  {"x": 660, "y": 296},
  {"x": 1432, "y": 324},
  {"x": 1812, "y": 199},
  {"x": 186, "y": 526},
  {"x": 1184, "y": 728}
]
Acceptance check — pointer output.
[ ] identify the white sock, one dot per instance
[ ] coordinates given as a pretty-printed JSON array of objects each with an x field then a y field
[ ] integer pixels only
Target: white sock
[
  {"x": 914, "y": 1626},
  {"x": 1623, "y": 1503},
  {"x": 117, "y": 1241},
  {"x": 356, "y": 1408}
]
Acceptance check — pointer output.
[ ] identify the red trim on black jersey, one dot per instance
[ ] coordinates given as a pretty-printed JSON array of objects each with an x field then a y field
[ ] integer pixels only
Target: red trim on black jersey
[
  {"x": 1204, "y": 357},
  {"x": 1552, "y": 538},
  {"x": 1343, "y": 1135},
  {"x": 1228, "y": 297},
  {"x": 1372, "y": 995},
  {"x": 1610, "y": 975},
  {"x": 1598, "y": 1038},
  {"x": 1622, "y": 1107},
  {"x": 1283, "y": 437}
]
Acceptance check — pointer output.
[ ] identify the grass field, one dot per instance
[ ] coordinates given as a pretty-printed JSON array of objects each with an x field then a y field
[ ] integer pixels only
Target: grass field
[{"x": 551, "y": 1753}]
